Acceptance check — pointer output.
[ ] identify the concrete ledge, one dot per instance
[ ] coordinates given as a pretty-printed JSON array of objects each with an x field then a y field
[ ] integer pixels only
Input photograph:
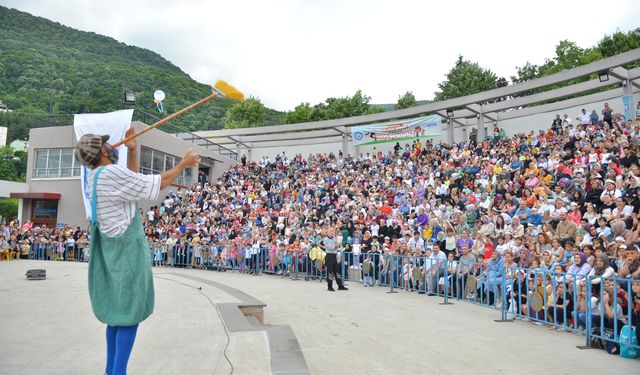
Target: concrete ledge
[
  {"x": 247, "y": 315},
  {"x": 286, "y": 354},
  {"x": 254, "y": 311}
]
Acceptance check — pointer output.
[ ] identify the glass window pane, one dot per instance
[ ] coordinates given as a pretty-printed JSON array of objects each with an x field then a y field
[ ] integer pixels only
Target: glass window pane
[
  {"x": 168, "y": 162},
  {"x": 54, "y": 158},
  {"x": 188, "y": 173},
  {"x": 158, "y": 162},
  {"x": 54, "y": 163},
  {"x": 66, "y": 160},
  {"x": 145, "y": 159},
  {"x": 41, "y": 158}
]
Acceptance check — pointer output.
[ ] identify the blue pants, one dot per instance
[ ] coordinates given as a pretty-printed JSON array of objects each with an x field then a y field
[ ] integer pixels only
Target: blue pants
[
  {"x": 492, "y": 284},
  {"x": 119, "y": 344}
]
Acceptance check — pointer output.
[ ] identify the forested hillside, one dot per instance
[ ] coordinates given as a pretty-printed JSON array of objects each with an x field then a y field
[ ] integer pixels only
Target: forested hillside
[{"x": 44, "y": 63}]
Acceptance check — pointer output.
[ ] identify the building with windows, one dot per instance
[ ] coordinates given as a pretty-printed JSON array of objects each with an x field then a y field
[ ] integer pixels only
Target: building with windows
[{"x": 53, "y": 193}]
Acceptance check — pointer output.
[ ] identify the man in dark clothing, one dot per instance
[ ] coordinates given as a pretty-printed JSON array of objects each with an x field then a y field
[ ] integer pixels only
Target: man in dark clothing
[
  {"x": 629, "y": 158},
  {"x": 593, "y": 195},
  {"x": 202, "y": 178},
  {"x": 556, "y": 125},
  {"x": 384, "y": 230},
  {"x": 330, "y": 245}
]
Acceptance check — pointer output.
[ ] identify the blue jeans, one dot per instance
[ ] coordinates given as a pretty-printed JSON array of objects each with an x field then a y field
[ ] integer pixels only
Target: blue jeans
[{"x": 492, "y": 284}]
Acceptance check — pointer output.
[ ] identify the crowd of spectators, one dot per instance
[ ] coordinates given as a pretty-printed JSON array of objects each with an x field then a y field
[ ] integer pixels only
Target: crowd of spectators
[{"x": 563, "y": 202}]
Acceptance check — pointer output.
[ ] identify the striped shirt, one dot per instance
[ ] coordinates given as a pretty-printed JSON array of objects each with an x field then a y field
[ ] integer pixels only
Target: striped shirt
[{"x": 117, "y": 192}]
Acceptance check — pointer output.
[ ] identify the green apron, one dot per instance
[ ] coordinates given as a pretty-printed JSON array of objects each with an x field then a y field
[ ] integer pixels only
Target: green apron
[{"x": 120, "y": 279}]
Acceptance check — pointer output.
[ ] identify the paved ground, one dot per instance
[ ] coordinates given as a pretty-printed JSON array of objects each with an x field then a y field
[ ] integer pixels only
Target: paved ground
[{"x": 51, "y": 330}]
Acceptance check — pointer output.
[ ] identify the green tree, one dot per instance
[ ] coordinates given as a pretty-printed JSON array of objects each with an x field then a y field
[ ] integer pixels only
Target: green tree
[
  {"x": 302, "y": 113},
  {"x": 373, "y": 109},
  {"x": 18, "y": 125},
  {"x": 526, "y": 72},
  {"x": 20, "y": 163},
  {"x": 9, "y": 208},
  {"x": 569, "y": 55},
  {"x": 619, "y": 42},
  {"x": 356, "y": 105},
  {"x": 333, "y": 108},
  {"x": 8, "y": 170},
  {"x": 248, "y": 113},
  {"x": 407, "y": 100},
  {"x": 465, "y": 78}
]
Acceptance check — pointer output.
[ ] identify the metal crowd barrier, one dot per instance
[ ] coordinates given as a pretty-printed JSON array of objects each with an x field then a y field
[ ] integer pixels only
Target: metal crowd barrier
[
  {"x": 610, "y": 321},
  {"x": 599, "y": 308},
  {"x": 66, "y": 252},
  {"x": 544, "y": 297}
]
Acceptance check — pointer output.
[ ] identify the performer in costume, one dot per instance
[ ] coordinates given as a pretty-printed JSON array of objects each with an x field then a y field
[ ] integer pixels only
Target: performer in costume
[
  {"x": 120, "y": 280},
  {"x": 330, "y": 245}
]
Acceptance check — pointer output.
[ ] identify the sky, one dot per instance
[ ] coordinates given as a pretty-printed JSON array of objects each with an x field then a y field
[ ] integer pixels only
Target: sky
[{"x": 286, "y": 52}]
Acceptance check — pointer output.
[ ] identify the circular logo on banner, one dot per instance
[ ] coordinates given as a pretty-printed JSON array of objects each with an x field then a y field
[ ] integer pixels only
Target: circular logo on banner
[{"x": 358, "y": 136}]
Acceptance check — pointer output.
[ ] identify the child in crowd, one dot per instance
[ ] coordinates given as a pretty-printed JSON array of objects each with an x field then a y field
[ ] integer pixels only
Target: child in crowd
[{"x": 406, "y": 272}]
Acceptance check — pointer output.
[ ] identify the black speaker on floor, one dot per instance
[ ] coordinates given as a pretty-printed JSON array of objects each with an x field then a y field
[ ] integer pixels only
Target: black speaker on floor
[{"x": 37, "y": 274}]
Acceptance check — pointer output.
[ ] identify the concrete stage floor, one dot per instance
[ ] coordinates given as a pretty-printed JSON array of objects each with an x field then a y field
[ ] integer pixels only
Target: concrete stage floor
[{"x": 48, "y": 328}]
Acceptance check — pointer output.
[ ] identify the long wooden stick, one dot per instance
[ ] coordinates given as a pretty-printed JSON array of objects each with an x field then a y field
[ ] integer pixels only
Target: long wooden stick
[{"x": 164, "y": 120}]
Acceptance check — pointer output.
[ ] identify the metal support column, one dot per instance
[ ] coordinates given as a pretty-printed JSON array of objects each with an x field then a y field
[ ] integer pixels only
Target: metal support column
[
  {"x": 481, "y": 134},
  {"x": 628, "y": 91},
  {"x": 450, "y": 130},
  {"x": 345, "y": 145}
]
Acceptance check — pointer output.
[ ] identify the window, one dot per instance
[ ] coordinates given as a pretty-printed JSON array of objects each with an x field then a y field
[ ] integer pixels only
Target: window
[
  {"x": 56, "y": 163},
  {"x": 155, "y": 162}
]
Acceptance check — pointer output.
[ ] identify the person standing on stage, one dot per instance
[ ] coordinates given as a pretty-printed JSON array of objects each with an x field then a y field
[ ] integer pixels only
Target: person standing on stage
[
  {"x": 330, "y": 245},
  {"x": 120, "y": 279}
]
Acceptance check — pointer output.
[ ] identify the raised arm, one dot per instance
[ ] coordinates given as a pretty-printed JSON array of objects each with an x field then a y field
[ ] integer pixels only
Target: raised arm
[
  {"x": 189, "y": 159},
  {"x": 133, "y": 161}
]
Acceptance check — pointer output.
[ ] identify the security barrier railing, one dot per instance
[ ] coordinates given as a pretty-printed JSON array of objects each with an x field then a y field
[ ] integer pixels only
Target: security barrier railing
[{"x": 602, "y": 309}]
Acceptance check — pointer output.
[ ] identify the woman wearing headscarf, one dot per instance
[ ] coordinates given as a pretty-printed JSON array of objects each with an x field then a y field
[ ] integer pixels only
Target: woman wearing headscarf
[
  {"x": 488, "y": 228},
  {"x": 619, "y": 229},
  {"x": 525, "y": 258},
  {"x": 515, "y": 228},
  {"x": 602, "y": 269},
  {"x": 579, "y": 269}
]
